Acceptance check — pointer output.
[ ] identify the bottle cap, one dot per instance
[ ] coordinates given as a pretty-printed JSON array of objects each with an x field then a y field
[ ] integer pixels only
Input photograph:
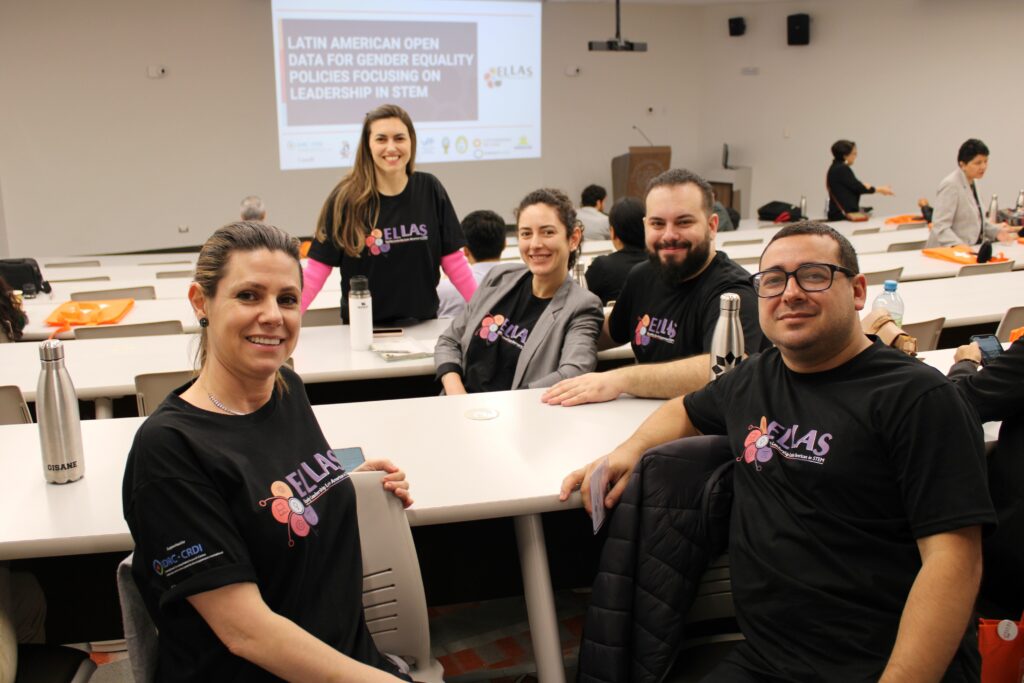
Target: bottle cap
[
  {"x": 730, "y": 301},
  {"x": 51, "y": 349},
  {"x": 890, "y": 285},
  {"x": 359, "y": 284}
]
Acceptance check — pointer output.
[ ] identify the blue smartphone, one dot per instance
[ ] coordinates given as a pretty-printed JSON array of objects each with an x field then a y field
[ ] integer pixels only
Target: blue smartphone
[
  {"x": 350, "y": 458},
  {"x": 989, "y": 345}
]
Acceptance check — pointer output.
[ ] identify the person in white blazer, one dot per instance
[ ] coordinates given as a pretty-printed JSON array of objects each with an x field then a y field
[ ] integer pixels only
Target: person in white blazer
[{"x": 958, "y": 217}]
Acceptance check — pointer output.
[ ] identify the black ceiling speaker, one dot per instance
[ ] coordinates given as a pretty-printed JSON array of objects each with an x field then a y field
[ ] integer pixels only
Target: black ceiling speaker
[
  {"x": 737, "y": 26},
  {"x": 798, "y": 29}
]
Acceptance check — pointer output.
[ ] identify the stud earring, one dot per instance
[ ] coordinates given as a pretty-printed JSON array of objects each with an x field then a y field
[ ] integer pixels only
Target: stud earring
[{"x": 204, "y": 322}]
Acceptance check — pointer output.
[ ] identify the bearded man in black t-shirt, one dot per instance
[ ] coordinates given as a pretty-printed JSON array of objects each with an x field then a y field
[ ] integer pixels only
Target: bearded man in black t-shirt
[
  {"x": 669, "y": 305},
  {"x": 860, "y": 487}
]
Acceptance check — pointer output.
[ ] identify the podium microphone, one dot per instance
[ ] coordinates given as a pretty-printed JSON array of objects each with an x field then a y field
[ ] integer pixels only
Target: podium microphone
[{"x": 637, "y": 129}]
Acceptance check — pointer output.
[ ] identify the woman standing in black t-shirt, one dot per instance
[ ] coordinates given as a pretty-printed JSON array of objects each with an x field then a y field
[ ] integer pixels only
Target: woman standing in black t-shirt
[
  {"x": 246, "y": 541},
  {"x": 526, "y": 326},
  {"x": 393, "y": 225},
  {"x": 843, "y": 186}
]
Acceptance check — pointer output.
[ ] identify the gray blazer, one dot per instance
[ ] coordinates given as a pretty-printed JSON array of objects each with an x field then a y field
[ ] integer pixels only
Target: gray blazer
[
  {"x": 563, "y": 343},
  {"x": 956, "y": 219}
]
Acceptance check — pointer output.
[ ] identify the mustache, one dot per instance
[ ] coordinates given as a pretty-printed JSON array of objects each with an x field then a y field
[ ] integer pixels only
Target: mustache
[{"x": 673, "y": 244}]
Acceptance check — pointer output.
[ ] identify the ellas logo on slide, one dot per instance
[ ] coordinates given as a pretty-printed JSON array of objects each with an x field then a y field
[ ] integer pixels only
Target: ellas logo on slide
[{"x": 494, "y": 76}]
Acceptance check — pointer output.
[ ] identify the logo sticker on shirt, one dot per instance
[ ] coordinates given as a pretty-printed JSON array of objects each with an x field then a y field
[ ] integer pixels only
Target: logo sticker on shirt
[
  {"x": 380, "y": 240},
  {"x": 649, "y": 327},
  {"x": 494, "y": 327},
  {"x": 292, "y": 505},
  {"x": 761, "y": 444},
  {"x": 182, "y": 555}
]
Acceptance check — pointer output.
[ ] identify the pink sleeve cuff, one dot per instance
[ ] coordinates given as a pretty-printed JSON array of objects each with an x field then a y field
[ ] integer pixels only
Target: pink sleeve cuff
[
  {"x": 313, "y": 278},
  {"x": 456, "y": 267}
]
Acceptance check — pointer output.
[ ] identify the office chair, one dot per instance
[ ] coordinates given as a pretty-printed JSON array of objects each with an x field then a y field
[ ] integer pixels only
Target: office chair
[
  {"x": 137, "y": 293},
  {"x": 1012, "y": 319},
  {"x": 13, "y": 409},
  {"x": 157, "y": 327},
  {"x": 151, "y": 388},
  {"x": 880, "y": 276}
]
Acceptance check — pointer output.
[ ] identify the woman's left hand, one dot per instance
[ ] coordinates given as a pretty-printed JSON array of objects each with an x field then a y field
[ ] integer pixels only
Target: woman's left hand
[{"x": 393, "y": 481}]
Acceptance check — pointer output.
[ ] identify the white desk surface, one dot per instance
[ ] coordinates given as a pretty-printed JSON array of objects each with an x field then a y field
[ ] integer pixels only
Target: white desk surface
[
  {"x": 106, "y": 368},
  {"x": 163, "y": 261},
  {"x": 962, "y": 301},
  {"x": 863, "y": 244},
  {"x": 511, "y": 465}
]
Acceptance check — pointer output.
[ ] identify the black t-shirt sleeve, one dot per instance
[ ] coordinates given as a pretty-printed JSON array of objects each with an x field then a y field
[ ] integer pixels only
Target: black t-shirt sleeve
[
  {"x": 620, "y": 327},
  {"x": 598, "y": 279},
  {"x": 452, "y": 238},
  {"x": 996, "y": 391},
  {"x": 704, "y": 406},
  {"x": 938, "y": 455},
  {"x": 846, "y": 179}
]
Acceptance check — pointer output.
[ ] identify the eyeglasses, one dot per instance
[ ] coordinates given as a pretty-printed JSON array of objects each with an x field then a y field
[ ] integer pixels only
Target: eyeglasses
[{"x": 811, "y": 277}]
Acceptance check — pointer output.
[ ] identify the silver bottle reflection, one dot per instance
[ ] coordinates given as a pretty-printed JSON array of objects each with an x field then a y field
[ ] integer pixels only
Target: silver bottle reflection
[
  {"x": 60, "y": 428},
  {"x": 727, "y": 341}
]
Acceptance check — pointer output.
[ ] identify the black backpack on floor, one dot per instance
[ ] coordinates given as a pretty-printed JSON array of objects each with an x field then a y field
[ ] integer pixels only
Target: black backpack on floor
[
  {"x": 19, "y": 272},
  {"x": 779, "y": 212}
]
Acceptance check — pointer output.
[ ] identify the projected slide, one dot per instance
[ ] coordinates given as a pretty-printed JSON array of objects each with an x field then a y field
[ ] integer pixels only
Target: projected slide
[{"x": 468, "y": 72}]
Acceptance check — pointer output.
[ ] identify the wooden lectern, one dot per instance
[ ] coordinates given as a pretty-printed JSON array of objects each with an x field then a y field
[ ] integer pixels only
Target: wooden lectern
[{"x": 631, "y": 172}]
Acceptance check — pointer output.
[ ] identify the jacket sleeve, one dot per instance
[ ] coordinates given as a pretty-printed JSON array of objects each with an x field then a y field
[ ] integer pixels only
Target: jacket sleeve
[
  {"x": 579, "y": 346},
  {"x": 996, "y": 390},
  {"x": 448, "y": 350},
  {"x": 942, "y": 216}
]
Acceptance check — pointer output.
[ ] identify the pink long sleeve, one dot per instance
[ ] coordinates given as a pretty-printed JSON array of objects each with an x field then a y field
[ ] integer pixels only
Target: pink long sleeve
[
  {"x": 313, "y": 279},
  {"x": 456, "y": 267}
]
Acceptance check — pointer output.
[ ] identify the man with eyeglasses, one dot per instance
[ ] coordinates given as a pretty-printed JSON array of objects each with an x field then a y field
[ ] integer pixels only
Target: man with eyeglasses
[
  {"x": 669, "y": 305},
  {"x": 860, "y": 490}
]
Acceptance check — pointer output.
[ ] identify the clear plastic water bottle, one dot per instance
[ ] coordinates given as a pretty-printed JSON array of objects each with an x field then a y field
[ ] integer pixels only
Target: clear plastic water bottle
[
  {"x": 360, "y": 314},
  {"x": 60, "y": 428},
  {"x": 891, "y": 301},
  {"x": 727, "y": 340}
]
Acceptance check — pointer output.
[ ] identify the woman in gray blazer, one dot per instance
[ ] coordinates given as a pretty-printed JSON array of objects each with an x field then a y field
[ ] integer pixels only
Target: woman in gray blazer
[
  {"x": 958, "y": 217},
  {"x": 527, "y": 325}
]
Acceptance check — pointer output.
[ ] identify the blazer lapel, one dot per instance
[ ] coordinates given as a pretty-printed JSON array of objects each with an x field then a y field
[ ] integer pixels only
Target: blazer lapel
[{"x": 540, "y": 333}]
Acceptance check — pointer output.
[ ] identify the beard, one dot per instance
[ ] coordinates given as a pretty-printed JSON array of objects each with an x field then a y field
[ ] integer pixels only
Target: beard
[{"x": 674, "y": 273}]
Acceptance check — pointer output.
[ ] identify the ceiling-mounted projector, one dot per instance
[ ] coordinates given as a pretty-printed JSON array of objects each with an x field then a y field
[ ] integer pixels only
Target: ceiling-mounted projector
[{"x": 616, "y": 44}]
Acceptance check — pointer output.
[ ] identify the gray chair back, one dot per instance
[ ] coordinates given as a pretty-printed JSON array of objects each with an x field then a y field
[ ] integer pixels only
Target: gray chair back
[
  {"x": 13, "y": 409},
  {"x": 139, "y": 330},
  {"x": 147, "y": 292}
]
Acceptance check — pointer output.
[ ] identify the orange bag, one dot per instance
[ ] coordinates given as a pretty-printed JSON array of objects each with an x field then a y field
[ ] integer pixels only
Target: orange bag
[
  {"x": 959, "y": 254},
  {"x": 1001, "y": 643},
  {"x": 73, "y": 313},
  {"x": 1016, "y": 334},
  {"x": 905, "y": 218}
]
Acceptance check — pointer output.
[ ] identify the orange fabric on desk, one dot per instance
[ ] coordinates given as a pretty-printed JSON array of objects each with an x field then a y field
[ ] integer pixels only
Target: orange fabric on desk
[
  {"x": 905, "y": 218},
  {"x": 1016, "y": 334},
  {"x": 959, "y": 254},
  {"x": 73, "y": 313},
  {"x": 1001, "y": 643}
]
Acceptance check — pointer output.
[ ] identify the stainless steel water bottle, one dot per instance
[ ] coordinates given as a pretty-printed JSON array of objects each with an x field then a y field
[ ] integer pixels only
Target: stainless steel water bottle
[
  {"x": 60, "y": 428},
  {"x": 803, "y": 208},
  {"x": 727, "y": 341},
  {"x": 360, "y": 314},
  {"x": 993, "y": 210}
]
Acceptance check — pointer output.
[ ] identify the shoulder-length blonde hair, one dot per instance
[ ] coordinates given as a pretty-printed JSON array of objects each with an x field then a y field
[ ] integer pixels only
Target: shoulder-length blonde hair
[{"x": 353, "y": 207}]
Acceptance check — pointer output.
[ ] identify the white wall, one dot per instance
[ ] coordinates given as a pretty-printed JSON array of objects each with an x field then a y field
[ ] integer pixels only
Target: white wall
[{"x": 95, "y": 157}]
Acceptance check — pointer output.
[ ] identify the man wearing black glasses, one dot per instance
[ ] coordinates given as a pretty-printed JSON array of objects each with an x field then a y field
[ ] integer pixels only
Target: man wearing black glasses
[{"x": 860, "y": 490}]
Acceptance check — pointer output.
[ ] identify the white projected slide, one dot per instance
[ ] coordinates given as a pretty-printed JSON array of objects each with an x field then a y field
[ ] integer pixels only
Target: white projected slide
[{"x": 468, "y": 73}]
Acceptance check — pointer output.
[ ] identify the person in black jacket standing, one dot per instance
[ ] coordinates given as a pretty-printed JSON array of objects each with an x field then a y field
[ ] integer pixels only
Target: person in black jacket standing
[
  {"x": 996, "y": 392},
  {"x": 843, "y": 186}
]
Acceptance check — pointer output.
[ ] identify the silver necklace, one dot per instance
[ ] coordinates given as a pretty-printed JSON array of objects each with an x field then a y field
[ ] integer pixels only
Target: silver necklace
[{"x": 214, "y": 401}]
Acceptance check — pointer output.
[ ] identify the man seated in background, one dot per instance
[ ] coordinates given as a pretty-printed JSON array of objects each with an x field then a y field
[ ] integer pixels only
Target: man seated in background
[
  {"x": 859, "y": 486},
  {"x": 668, "y": 307},
  {"x": 253, "y": 209},
  {"x": 607, "y": 274},
  {"x": 485, "y": 240},
  {"x": 997, "y": 392},
  {"x": 591, "y": 213}
]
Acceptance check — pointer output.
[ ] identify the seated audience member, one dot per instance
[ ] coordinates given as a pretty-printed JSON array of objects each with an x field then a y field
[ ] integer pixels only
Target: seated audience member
[
  {"x": 607, "y": 274},
  {"x": 591, "y": 213},
  {"x": 485, "y": 240},
  {"x": 859, "y": 486},
  {"x": 668, "y": 307},
  {"x": 926, "y": 209},
  {"x": 527, "y": 325},
  {"x": 959, "y": 215},
  {"x": 12, "y": 317},
  {"x": 725, "y": 222},
  {"x": 997, "y": 393},
  {"x": 275, "y": 588},
  {"x": 253, "y": 209},
  {"x": 844, "y": 190}
]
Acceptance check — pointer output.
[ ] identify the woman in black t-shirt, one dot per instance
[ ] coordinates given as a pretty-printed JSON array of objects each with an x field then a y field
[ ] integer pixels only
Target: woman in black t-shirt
[
  {"x": 526, "y": 326},
  {"x": 844, "y": 189},
  {"x": 393, "y": 225},
  {"x": 246, "y": 541}
]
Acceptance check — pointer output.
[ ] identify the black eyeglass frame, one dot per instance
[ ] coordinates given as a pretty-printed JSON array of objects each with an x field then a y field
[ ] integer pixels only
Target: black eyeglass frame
[{"x": 755, "y": 279}]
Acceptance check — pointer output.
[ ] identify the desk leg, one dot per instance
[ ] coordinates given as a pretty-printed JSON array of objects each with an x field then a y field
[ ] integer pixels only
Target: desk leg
[
  {"x": 540, "y": 599},
  {"x": 104, "y": 408}
]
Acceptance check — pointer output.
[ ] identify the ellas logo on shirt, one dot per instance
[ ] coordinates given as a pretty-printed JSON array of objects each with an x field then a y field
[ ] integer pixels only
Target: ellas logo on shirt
[
  {"x": 380, "y": 240},
  {"x": 291, "y": 501},
  {"x": 649, "y": 327},
  {"x": 494, "y": 327},
  {"x": 793, "y": 443}
]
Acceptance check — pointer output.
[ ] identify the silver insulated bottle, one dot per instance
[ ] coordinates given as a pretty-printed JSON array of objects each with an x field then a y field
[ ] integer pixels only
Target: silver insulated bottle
[
  {"x": 727, "y": 341},
  {"x": 60, "y": 429}
]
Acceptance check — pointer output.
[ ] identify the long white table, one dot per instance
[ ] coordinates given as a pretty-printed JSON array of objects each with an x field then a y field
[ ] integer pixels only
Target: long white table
[
  {"x": 508, "y": 466},
  {"x": 962, "y": 301}
]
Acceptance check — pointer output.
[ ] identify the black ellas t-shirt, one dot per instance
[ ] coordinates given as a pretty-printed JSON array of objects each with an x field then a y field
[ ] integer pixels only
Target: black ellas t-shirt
[
  {"x": 213, "y": 500},
  {"x": 402, "y": 257},
  {"x": 664, "y": 323},
  {"x": 500, "y": 337},
  {"x": 838, "y": 473}
]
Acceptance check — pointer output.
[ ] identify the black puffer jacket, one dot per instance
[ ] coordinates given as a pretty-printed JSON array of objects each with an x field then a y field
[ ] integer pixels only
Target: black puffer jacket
[{"x": 672, "y": 520}]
